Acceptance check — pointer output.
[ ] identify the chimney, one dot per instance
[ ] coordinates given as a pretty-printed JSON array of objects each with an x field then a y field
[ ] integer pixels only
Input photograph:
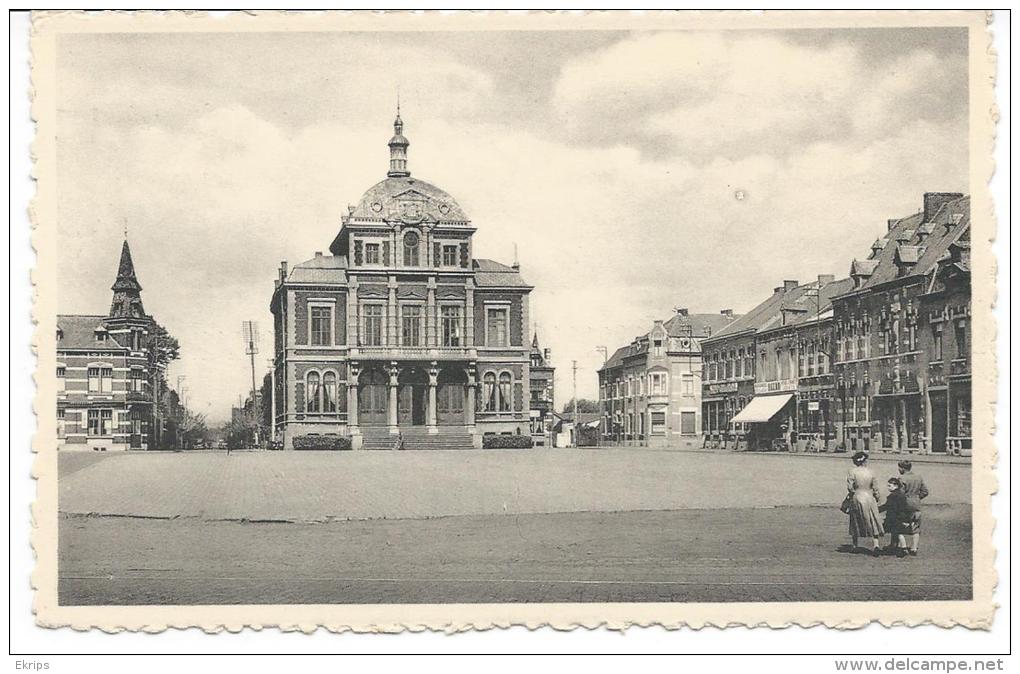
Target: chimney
[
  {"x": 890, "y": 223},
  {"x": 547, "y": 354},
  {"x": 726, "y": 312},
  {"x": 825, "y": 279},
  {"x": 789, "y": 285},
  {"x": 283, "y": 271},
  {"x": 933, "y": 201},
  {"x": 680, "y": 311}
]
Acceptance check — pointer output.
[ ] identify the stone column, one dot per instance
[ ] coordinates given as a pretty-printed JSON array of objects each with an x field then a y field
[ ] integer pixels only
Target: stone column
[
  {"x": 430, "y": 411},
  {"x": 469, "y": 314},
  {"x": 392, "y": 315},
  {"x": 431, "y": 316},
  {"x": 469, "y": 403},
  {"x": 392, "y": 402}
]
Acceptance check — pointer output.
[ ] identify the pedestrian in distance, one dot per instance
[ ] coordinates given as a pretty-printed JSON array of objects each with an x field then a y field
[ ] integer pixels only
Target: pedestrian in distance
[
  {"x": 915, "y": 491},
  {"x": 861, "y": 504},
  {"x": 898, "y": 517}
]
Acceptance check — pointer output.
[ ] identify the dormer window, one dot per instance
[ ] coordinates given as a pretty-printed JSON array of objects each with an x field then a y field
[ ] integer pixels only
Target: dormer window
[
  {"x": 101, "y": 336},
  {"x": 60, "y": 333},
  {"x": 449, "y": 256}
]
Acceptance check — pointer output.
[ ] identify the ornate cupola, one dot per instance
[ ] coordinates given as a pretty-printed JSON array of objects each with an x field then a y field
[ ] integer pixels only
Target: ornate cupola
[
  {"x": 398, "y": 149},
  {"x": 127, "y": 291}
]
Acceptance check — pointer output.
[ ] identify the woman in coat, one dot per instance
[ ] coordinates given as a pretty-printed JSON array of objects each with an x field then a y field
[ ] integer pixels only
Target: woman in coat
[{"x": 862, "y": 499}]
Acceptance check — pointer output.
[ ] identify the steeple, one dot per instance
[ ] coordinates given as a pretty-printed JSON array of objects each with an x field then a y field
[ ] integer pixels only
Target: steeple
[
  {"x": 127, "y": 298},
  {"x": 398, "y": 149}
]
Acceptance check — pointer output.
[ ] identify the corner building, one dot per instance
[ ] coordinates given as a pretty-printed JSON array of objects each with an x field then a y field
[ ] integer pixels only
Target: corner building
[{"x": 401, "y": 330}]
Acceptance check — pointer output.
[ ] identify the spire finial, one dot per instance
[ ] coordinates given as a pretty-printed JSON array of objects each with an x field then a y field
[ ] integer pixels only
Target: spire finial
[{"x": 398, "y": 147}]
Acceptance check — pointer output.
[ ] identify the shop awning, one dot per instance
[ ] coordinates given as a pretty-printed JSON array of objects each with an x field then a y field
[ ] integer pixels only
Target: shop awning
[{"x": 761, "y": 408}]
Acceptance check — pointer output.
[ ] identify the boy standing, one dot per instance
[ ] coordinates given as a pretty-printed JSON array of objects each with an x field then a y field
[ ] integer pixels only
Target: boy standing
[{"x": 915, "y": 490}]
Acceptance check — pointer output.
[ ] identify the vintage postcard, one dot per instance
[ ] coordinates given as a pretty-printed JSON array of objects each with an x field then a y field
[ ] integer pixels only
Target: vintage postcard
[{"x": 386, "y": 321}]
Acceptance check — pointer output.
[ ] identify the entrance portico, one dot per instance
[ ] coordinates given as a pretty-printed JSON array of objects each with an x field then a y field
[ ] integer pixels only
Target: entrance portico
[{"x": 404, "y": 395}]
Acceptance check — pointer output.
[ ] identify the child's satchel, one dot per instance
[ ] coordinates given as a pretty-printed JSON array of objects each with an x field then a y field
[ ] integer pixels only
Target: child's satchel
[{"x": 844, "y": 507}]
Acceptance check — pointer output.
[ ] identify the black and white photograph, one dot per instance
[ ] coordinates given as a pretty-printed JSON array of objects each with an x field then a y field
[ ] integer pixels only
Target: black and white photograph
[{"x": 658, "y": 318}]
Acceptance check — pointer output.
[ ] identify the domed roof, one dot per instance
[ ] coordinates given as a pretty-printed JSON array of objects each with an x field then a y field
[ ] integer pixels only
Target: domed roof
[{"x": 410, "y": 200}]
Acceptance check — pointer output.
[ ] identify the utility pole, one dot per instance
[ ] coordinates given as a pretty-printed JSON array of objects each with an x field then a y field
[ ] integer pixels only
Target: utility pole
[
  {"x": 272, "y": 400},
  {"x": 577, "y": 427},
  {"x": 603, "y": 414},
  {"x": 251, "y": 347}
]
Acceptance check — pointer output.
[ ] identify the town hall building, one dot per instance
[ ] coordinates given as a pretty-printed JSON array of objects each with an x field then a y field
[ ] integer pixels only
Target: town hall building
[{"x": 400, "y": 336}]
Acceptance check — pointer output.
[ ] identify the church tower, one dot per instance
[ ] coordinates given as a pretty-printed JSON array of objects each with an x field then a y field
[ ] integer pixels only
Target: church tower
[{"x": 127, "y": 291}]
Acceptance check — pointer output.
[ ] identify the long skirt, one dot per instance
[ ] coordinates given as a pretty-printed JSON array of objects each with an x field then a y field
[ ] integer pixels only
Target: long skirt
[{"x": 864, "y": 522}]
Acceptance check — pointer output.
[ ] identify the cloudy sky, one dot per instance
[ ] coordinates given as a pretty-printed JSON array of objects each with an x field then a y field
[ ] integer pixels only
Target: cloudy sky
[{"x": 635, "y": 171}]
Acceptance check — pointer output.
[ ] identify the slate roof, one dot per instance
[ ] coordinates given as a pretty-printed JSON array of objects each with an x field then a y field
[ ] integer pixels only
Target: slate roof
[
  {"x": 931, "y": 239},
  {"x": 800, "y": 307},
  {"x": 381, "y": 201},
  {"x": 79, "y": 332},
  {"x": 489, "y": 273},
  {"x": 320, "y": 269}
]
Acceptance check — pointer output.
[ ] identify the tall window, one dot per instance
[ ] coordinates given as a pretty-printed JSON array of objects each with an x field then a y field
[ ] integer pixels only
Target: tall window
[
  {"x": 106, "y": 379},
  {"x": 688, "y": 384},
  {"x": 100, "y": 422},
  {"x": 961, "y": 340},
  {"x": 61, "y": 422},
  {"x": 449, "y": 256},
  {"x": 657, "y": 348},
  {"x": 61, "y": 373},
  {"x": 489, "y": 391},
  {"x": 496, "y": 322},
  {"x": 505, "y": 391},
  {"x": 451, "y": 326},
  {"x": 322, "y": 326},
  {"x": 372, "y": 255},
  {"x": 738, "y": 364},
  {"x": 411, "y": 254},
  {"x": 372, "y": 324},
  {"x": 94, "y": 381},
  {"x": 329, "y": 392},
  {"x": 137, "y": 380},
  {"x": 937, "y": 330},
  {"x": 314, "y": 405},
  {"x": 658, "y": 423},
  {"x": 410, "y": 325},
  {"x": 658, "y": 383}
]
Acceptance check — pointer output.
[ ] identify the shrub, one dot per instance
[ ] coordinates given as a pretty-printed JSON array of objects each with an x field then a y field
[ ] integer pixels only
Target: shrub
[
  {"x": 506, "y": 441},
  {"x": 334, "y": 442}
]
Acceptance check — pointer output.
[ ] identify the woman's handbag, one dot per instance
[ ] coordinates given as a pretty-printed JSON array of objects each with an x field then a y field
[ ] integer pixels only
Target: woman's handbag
[{"x": 844, "y": 507}]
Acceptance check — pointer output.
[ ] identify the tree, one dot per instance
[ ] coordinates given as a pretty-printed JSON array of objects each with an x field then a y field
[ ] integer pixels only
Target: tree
[
  {"x": 193, "y": 429},
  {"x": 584, "y": 406},
  {"x": 161, "y": 348}
]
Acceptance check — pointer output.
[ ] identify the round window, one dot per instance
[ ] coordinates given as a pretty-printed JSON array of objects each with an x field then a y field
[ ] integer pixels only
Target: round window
[{"x": 411, "y": 239}]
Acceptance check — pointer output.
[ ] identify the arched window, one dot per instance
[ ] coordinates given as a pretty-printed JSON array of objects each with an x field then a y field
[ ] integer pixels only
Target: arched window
[
  {"x": 489, "y": 391},
  {"x": 329, "y": 392},
  {"x": 505, "y": 391},
  {"x": 314, "y": 401},
  {"x": 411, "y": 256}
]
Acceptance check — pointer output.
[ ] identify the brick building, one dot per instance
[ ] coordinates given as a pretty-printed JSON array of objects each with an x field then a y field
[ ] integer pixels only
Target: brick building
[
  {"x": 104, "y": 383},
  {"x": 542, "y": 387},
  {"x": 401, "y": 330},
  {"x": 769, "y": 373},
  {"x": 650, "y": 390},
  {"x": 902, "y": 335}
]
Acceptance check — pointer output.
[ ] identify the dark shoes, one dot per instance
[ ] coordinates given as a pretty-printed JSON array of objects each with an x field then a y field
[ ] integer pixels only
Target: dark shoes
[
  {"x": 913, "y": 553},
  {"x": 902, "y": 553}
]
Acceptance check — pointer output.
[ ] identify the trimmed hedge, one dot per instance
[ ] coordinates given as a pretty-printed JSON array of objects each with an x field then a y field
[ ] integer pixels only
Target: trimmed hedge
[
  {"x": 506, "y": 442},
  {"x": 334, "y": 442}
]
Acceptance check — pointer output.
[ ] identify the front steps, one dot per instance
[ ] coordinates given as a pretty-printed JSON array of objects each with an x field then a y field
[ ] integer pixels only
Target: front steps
[{"x": 417, "y": 437}]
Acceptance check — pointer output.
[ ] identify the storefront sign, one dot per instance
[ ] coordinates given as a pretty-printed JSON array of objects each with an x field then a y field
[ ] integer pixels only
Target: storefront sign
[
  {"x": 775, "y": 386},
  {"x": 716, "y": 389},
  {"x": 813, "y": 406}
]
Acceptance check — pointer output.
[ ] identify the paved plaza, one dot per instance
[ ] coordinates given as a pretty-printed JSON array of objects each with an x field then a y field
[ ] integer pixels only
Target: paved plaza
[
  {"x": 322, "y": 486},
  {"x": 496, "y": 526}
]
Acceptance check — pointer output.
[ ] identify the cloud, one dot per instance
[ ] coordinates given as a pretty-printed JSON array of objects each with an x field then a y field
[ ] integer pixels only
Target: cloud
[
  {"x": 702, "y": 95},
  {"x": 612, "y": 236}
]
